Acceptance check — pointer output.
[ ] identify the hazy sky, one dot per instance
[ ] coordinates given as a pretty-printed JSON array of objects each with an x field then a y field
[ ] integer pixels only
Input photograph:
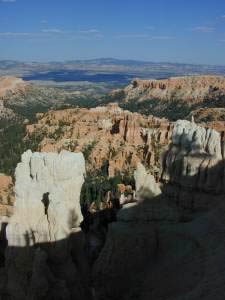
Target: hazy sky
[{"x": 190, "y": 31}]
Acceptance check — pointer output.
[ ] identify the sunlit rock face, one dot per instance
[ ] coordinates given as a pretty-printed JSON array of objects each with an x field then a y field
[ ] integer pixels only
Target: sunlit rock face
[
  {"x": 187, "y": 88},
  {"x": 11, "y": 85},
  {"x": 195, "y": 165},
  {"x": 47, "y": 191},
  {"x": 38, "y": 258},
  {"x": 146, "y": 186},
  {"x": 117, "y": 138}
]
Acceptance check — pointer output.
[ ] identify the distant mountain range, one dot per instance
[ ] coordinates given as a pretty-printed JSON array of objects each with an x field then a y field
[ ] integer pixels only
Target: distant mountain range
[{"x": 106, "y": 70}]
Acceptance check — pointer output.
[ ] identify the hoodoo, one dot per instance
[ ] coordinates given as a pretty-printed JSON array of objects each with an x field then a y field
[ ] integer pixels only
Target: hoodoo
[{"x": 39, "y": 262}]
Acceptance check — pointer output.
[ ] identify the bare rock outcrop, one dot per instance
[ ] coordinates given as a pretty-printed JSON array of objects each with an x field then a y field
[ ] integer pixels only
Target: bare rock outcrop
[
  {"x": 6, "y": 191},
  {"x": 189, "y": 88},
  {"x": 194, "y": 166},
  {"x": 176, "y": 97},
  {"x": 163, "y": 259},
  {"x": 156, "y": 250},
  {"x": 39, "y": 263},
  {"x": 132, "y": 242},
  {"x": 11, "y": 85},
  {"x": 108, "y": 136},
  {"x": 146, "y": 186}
]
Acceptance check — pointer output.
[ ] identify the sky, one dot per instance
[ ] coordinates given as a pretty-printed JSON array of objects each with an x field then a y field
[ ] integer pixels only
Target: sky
[{"x": 183, "y": 31}]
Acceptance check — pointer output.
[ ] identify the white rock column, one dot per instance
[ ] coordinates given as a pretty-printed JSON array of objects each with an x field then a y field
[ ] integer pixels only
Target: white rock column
[
  {"x": 47, "y": 207},
  {"x": 146, "y": 186}
]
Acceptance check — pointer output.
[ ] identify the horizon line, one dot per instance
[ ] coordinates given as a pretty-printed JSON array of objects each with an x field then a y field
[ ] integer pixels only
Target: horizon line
[{"x": 111, "y": 58}]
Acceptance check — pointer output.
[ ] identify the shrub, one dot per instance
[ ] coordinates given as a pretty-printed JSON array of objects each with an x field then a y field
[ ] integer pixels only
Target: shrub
[
  {"x": 87, "y": 149},
  {"x": 13, "y": 144}
]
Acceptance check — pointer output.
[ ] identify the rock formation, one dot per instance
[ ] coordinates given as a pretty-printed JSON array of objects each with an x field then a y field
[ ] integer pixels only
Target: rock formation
[
  {"x": 11, "y": 85},
  {"x": 146, "y": 187},
  {"x": 195, "y": 162},
  {"x": 208, "y": 115},
  {"x": 176, "y": 98},
  {"x": 39, "y": 263},
  {"x": 20, "y": 99},
  {"x": 132, "y": 242},
  {"x": 189, "y": 88},
  {"x": 108, "y": 136},
  {"x": 6, "y": 198},
  {"x": 166, "y": 246},
  {"x": 158, "y": 249},
  {"x": 6, "y": 190}
]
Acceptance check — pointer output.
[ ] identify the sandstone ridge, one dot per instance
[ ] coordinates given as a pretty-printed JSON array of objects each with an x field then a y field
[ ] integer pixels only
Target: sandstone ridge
[
  {"x": 11, "y": 85},
  {"x": 184, "y": 88},
  {"x": 176, "y": 98}
]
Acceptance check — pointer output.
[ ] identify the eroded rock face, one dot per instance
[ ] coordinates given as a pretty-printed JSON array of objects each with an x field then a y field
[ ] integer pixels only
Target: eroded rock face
[
  {"x": 177, "y": 97},
  {"x": 132, "y": 242},
  {"x": 160, "y": 250},
  {"x": 47, "y": 192},
  {"x": 116, "y": 138},
  {"x": 11, "y": 85},
  {"x": 194, "y": 165},
  {"x": 146, "y": 186},
  {"x": 6, "y": 191},
  {"x": 38, "y": 258},
  {"x": 184, "y": 88},
  {"x": 163, "y": 260}
]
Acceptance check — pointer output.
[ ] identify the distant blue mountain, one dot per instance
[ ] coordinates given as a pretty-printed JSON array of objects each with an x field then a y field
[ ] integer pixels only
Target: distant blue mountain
[{"x": 106, "y": 70}]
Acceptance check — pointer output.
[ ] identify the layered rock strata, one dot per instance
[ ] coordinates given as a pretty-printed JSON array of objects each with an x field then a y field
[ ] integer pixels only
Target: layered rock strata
[
  {"x": 177, "y": 97},
  {"x": 109, "y": 136},
  {"x": 189, "y": 88}
]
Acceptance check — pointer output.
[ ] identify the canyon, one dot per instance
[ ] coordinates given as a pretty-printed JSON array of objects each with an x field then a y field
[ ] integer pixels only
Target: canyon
[
  {"x": 108, "y": 135},
  {"x": 173, "y": 98},
  {"x": 190, "y": 88},
  {"x": 112, "y": 139},
  {"x": 112, "y": 150},
  {"x": 155, "y": 230},
  {"x": 20, "y": 100},
  {"x": 166, "y": 245},
  {"x": 178, "y": 97}
]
